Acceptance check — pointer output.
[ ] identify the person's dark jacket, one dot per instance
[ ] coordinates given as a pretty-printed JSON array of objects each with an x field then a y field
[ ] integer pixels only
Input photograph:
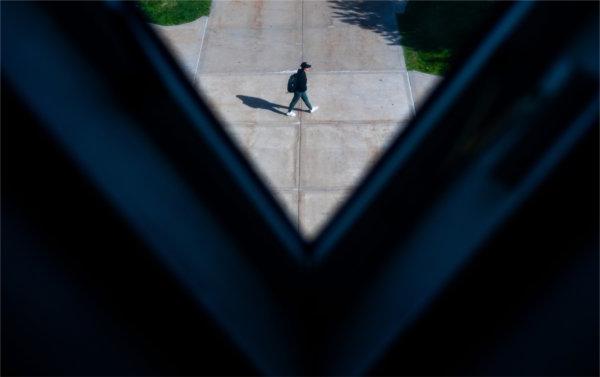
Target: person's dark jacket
[{"x": 301, "y": 81}]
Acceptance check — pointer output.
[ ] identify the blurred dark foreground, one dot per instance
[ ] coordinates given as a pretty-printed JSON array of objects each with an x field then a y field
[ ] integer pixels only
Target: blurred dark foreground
[{"x": 136, "y": 240}]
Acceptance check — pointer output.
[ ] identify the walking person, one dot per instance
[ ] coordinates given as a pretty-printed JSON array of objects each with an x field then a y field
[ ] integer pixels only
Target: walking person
[{"x": 300, "y": 90}]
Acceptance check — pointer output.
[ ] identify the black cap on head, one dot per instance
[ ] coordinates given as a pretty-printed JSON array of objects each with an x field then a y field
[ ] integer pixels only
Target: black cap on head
[{"x": 305, "y": 65}]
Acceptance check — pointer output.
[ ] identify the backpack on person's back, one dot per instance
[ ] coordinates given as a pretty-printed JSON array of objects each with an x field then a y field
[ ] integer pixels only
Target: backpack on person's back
[{"x": 292, "y": 83}]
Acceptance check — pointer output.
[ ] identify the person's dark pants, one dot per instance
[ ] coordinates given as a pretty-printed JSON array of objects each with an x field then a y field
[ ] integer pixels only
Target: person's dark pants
[{"x": 297, "y": 96}]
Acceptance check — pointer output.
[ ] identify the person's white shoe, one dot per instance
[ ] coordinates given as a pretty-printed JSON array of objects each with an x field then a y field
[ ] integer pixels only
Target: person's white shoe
[
  {"x": 290, "y": 114},
  {"x": 315, "y": 108}
]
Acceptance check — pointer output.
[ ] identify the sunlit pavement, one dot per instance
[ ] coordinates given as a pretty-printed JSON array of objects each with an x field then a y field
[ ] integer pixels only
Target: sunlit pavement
[{"x": 240, "y": 60}]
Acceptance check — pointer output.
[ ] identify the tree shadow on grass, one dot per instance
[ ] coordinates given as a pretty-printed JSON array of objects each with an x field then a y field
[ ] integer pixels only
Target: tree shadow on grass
[
  {"x": 432, "y": 32},
  {"x": 378, "y": 16},
  {"x": 436, "y": 31},
  {"x": 259, "y": 103}
]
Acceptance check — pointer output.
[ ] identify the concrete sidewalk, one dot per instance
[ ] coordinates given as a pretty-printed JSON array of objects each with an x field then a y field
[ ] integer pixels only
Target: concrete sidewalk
[
  {"x": 185, "y": 42},
  {"x": 359, "y": 81}
]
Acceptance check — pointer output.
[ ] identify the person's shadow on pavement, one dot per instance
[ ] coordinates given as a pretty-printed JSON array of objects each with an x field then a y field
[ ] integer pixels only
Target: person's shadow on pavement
[{"x": 259, "y": 103}]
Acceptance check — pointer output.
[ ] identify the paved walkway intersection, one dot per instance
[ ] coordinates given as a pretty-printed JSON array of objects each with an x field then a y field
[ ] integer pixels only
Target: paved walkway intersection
[{"x": 240, "y": 58}]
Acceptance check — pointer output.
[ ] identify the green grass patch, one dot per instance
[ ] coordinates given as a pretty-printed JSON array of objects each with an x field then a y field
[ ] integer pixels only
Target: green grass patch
[
  {"x": 435, "y": 62},
  {"x": 174, "y": 12},
  {"x": 434, "y": 31}
]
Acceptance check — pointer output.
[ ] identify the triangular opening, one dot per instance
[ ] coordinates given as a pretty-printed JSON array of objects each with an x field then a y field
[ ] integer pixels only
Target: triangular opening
[{"x": 369, "y": 76}]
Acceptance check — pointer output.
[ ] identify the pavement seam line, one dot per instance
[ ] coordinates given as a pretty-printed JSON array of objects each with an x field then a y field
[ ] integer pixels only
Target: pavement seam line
[
  {"x": 412, "y": 100},
  {"x": 315, "y": 189},
  {"x": 382, "y": 122},
  {"x": 385, "y": 71},
  {"x": 200, "y": 52},
  {"x": 299, "y": 162},
  {"x": 410, "y": 93}
]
